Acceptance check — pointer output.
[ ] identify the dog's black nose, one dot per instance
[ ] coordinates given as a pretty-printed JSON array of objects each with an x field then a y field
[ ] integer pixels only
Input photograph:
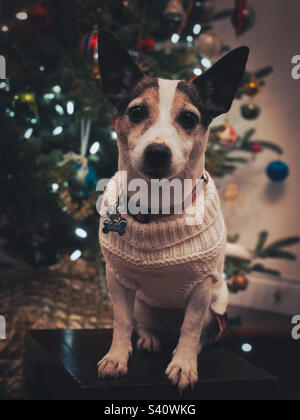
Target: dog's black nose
[{"x": 157, "y": 157}]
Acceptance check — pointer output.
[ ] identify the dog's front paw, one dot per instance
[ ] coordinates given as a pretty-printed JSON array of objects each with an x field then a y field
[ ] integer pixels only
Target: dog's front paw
[
  {"x": 183, "y": 371},
  {"x": 114, "y": 364}
]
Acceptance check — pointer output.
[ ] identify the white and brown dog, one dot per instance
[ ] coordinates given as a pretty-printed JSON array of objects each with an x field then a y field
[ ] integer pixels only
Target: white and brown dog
[{"x": 165, "y": 267}]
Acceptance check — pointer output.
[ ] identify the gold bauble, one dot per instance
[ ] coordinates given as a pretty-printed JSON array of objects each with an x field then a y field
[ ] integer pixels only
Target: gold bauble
[
  {"x": 232, "y": 195},
  {"x": 208, "y": 44},
  {"x": 238, "y": 283},
  {"x": 25, "y": 105},
  {"x": 252, "y": 87}
]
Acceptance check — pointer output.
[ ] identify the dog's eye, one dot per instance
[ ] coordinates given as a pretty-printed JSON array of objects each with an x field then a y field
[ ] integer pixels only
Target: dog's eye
[
  {"x": 188, "y": 120},
  {"x": 137, "y": 114}
]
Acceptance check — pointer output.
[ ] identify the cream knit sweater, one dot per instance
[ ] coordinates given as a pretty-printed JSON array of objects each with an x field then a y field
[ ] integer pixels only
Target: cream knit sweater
[{"x": 165, "y": 259}]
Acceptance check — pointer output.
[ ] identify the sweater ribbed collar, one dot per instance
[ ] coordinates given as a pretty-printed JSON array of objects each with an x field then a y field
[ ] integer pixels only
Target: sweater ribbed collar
[{"x": 167, "y": 232}]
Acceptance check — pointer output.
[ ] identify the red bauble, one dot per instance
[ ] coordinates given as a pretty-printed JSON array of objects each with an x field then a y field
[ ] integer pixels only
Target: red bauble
[
  {"x": 256, "y": 148},
  {"x": 228, "y": 136},
  {"x": 145, "y": 44},
  {"x": 243, "y": 17},
  {"x": 39, "y": 15},
  {"x": 89, "y": 47}
]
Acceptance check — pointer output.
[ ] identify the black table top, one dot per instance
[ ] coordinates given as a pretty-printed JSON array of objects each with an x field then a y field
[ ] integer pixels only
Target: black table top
[{"x": 76, "y": 353}]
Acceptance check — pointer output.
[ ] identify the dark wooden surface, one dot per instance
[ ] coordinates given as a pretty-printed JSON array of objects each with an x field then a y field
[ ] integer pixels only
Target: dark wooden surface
[{"x": 62, "y": 365}]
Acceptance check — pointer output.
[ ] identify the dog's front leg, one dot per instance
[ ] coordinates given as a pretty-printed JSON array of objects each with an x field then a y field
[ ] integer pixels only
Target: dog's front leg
[
  {"x": 115, "y": 363},
  {"x": 183, "y": 369}
]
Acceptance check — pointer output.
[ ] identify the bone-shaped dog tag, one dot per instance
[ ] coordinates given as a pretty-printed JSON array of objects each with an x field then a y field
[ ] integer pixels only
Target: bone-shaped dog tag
[{"x": 116, "y": 224}]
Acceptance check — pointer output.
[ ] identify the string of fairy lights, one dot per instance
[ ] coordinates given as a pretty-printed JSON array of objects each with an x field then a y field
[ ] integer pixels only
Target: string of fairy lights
[{"x": 69, "y": 109}]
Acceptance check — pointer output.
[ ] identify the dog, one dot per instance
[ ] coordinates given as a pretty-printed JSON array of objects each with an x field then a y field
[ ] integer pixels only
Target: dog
[{"x": 163, "y": 273}]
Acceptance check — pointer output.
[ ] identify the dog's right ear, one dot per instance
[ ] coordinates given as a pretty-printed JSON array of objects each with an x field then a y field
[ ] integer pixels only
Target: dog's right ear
[{"x": 118, "y": 71}]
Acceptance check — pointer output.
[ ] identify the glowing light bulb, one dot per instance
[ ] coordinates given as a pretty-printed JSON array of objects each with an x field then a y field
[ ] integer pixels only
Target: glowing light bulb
[
  {"x": 59, "y": 109},
  {"x": 206, "y": 62},
  {"x": 247, "y": 348},
  {"x": 57, "y": 131},
  {"x": 70, "y": 108},
  {"x": 22, "y": 15},
  {"x": 76, "y": 255},
  {"x": 55, "y": 187},
  {"x": 4, "y": 28},
  {"x": 95, "y": 148},
  {"x": 49, "y": 96},
  {"x": 175, "y": 38},
  {"x": 28, "y": 97},
  {"x": 28, "y": 133},
  {"x": 57, "y": 89},
  {"x": 114, "y": 135},
  {"x": 198, "y": 72},
  {"x": 81, "y": 233},
  {"x": 197, "y": 29},
  {"x": 189, "y": 39}
]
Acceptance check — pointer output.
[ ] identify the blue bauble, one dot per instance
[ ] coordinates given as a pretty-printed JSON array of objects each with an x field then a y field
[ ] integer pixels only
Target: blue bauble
[
  {"x": 83, "y": 187},
  {"x": 278, "y": 171}
]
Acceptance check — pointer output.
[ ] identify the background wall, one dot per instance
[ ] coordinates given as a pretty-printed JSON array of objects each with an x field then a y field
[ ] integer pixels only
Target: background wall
[{"x": 274, "y": 40}]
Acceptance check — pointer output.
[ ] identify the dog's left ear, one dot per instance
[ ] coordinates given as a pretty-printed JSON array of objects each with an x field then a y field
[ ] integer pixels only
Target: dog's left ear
[
  {"x": 219, "y": 84},
  {"x": 119, "y": 72}
]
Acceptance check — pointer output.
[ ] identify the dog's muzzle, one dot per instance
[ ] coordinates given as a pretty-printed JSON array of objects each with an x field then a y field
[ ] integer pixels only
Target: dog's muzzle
[{"x": 157, "y": 160}]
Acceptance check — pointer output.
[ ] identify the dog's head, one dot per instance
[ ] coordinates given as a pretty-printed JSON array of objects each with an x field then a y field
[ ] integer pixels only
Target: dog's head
[{"x": 163, "y": 124}]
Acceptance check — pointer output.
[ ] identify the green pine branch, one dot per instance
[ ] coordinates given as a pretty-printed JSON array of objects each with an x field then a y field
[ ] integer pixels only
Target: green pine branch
[
  {"x": 261, "y": 242},
  {"x": 274, "y": 250},
  {"x": 293, "y": 240},
  {"x": 264, "y": 72},
  {"x": 266, "y": 145},
  {"x": 262, "y": 269}
]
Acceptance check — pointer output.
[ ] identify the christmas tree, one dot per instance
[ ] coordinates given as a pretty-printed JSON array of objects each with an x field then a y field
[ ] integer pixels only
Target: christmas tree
[{"x": 57, "y": 129}]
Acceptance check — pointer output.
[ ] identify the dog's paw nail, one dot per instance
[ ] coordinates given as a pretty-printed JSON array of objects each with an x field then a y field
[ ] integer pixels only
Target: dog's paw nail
[
  {"x": 140, "y": 344},
  {"x": 184, "y": 374},
  {"x": 112, "y": 366}
]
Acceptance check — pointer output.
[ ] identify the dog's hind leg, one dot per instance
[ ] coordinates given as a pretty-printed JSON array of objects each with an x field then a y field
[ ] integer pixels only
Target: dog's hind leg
[{"x": 144, "y": 317}]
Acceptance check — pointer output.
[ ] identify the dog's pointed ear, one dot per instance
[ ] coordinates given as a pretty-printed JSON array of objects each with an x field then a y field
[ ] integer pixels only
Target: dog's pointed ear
[
  {"x": 118, "y": 71},
  {"x": 220, "y": 83}
]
